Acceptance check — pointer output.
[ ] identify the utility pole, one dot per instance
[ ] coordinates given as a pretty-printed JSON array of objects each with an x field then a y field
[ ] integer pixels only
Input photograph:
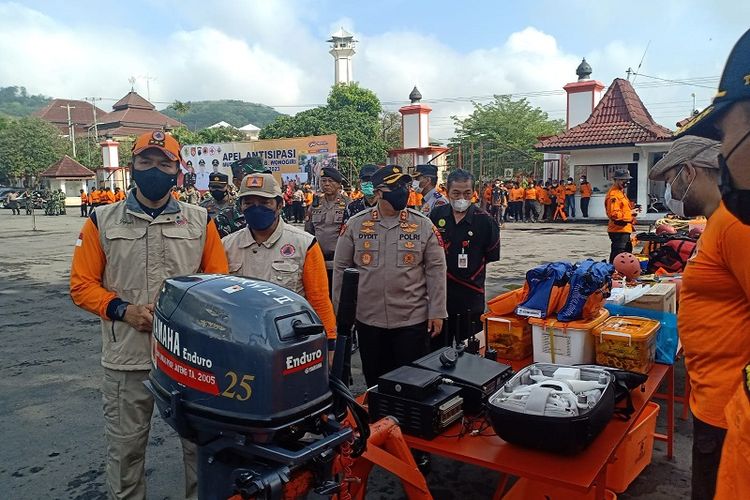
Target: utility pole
[
  {"x": 93, "y": 100},
  {"x": 148, "y": 85},
  {"x": 71, "y": 128}
]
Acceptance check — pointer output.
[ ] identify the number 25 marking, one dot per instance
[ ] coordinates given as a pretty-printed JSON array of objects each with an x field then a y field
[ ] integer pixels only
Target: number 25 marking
[{"x": 244, "y": 384}]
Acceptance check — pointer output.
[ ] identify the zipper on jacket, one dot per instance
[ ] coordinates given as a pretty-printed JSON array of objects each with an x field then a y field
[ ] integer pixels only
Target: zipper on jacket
[{"x": 114, "y": 339}]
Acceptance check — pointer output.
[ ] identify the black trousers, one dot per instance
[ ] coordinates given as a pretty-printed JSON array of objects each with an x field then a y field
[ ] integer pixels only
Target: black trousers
[
  {"x": 707, "y": 444},
  {"x": 383, "y": 350},
  {"x": 532, "y": 210},
  {"x": 620, "y": 243},
  {"x": 84, "y": 210},
  {"x": 298, "y": 211},
  {"x": 585, "y": 206}
]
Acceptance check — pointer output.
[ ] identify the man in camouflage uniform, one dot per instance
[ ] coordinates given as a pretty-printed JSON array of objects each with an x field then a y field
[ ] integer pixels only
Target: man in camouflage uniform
[
  {"x": 230, "y": 219},
  {"x": 218, "y": 197}
]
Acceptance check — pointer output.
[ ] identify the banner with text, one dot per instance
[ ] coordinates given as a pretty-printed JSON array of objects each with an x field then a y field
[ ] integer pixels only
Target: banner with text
[{"x": 297, "y": 158}]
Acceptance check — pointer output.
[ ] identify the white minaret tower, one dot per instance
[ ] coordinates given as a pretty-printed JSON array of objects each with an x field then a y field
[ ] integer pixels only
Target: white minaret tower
[{"x": 342, "y": 49}]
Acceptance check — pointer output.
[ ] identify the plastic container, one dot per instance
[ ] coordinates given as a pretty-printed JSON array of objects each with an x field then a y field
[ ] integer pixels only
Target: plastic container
[
  {"x": 526, "y": 489},
  {"x": 635, "y": 451},
  {"x": 510, "y": 336},
  {"x": 563, "y": 343},
  {"x": 627, "y": 343}
]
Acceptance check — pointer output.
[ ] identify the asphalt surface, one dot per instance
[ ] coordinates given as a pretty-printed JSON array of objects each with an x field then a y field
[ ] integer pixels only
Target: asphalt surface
[{"x": 51, "y": 425}]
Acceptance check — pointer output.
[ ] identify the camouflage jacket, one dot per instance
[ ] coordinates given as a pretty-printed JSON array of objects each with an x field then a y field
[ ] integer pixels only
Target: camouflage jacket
[
  {"x": 215, "y": 207},
  {"x": 229, "y": 220}
]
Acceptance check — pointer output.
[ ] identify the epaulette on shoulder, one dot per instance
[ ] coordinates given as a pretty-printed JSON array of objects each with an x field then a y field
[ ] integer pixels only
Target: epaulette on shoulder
[{"x": 416, "y": 212}]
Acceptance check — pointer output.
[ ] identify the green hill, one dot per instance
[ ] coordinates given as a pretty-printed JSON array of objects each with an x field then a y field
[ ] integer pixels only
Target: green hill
[
  {"x": 15, "y": 101},
  {"x": 202, "y": 114}
]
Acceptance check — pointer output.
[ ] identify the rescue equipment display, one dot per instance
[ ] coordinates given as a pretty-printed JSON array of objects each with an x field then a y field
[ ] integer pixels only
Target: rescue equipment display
[
  {"x": 554, "y": 408},
  {"x": 240, "y": 367},
  {"x": 627, "y": 343}
]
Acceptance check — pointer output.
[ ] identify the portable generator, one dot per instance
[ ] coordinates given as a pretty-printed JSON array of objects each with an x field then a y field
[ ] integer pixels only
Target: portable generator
[{"x": 240, "y": 367}]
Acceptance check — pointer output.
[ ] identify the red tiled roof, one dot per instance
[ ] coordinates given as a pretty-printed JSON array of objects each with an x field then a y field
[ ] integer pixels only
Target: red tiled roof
[
  {"x": 67, "y": 168},
  {"x": 81, "y": 114},
  {"x": 134, "y": 115},
  {"x": 620, "y": 119},
  {"x": 133, "y": 100}
]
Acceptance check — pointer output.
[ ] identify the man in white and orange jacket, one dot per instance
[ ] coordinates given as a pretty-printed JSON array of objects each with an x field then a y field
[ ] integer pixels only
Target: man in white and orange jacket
[
  {"x": 123, "y": 253},
  {"x": 621, "y": 215}
]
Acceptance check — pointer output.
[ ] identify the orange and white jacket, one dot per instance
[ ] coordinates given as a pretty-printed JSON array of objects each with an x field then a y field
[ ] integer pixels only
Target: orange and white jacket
[{"x": 122, "y": 253}]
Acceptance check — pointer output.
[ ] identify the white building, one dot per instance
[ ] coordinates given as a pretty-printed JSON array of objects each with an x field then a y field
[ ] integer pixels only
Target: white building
[
  {"x": 70, "y": 176},
  {"x": 342, "y": 49},
  {"x": 221, "y": 124},
  {"x": 251, "y": 131},
  {"x": 606, "y": 133}
]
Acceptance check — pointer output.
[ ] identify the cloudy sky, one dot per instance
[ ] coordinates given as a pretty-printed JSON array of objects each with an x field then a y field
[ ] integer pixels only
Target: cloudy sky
[{"x": 274, "y": 52}]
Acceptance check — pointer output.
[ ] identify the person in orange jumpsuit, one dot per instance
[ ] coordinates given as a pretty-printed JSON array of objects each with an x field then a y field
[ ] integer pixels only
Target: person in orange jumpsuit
[
  {"x": 570, "y": 197},
  {"x": 531, "y": 212},
  {"x": 119, "y": 194},
  {"x": 84, "y": 203},
  {"x": 542, "y": 196},
  {"x": 620, "y": 213}
]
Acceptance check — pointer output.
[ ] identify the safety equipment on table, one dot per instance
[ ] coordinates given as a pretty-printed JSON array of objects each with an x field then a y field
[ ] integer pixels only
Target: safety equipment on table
[
  {"x": 545, "y": 285},
  {"x": 627, "y": 265},
  {"x": 665, "y": 229},
  {"x": 672, "y": 256},
  {"x": 590, "y": 284},
  {"x": 553, "y": 407},
  {"x": 696, "y": 232}
]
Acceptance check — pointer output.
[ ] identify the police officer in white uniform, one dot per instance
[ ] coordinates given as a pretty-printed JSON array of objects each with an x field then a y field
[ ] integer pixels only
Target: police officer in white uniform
[{"x": 426, "y": 183}]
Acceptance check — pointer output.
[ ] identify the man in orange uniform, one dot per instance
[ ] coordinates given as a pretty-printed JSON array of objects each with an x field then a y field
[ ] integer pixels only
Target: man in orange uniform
[
  {"x": 586, "y": 192},
  {"x": 516, "y": 202},
  {"x": 119, "y": 194},
  {"x": 84, "y": 202},
  {"x": 620, "y": 214},
  {"x": 558, "y": 189},
  {"x": 122, "y": 255},
  {"x": 715, "y": 296},
  {"x": 542, "y": 196},
  {"x": 570, "y": 197},
  {"x": 96, "y": 200},
  {"x": 531, "y": 212}
]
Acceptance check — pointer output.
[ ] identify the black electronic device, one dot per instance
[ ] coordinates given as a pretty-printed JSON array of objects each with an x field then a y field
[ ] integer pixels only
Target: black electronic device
[
  {"x": 409, "y": 382},
  {"x": 478, "y": 377},
  {"x": 425, "y": 418}
]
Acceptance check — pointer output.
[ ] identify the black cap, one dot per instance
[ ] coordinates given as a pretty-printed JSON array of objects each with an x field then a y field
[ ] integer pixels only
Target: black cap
[
  {"x": 429, "y": 170},
  {"x": 622, "y": 175},
  {"x": 390, "y": 175},
  {"x": 215, "y": 162},
  {"x": 332, "y": 174},
  {"x": 367, "y": 171},
  {"x": 218, "y": 179},
  {"x": 202, "y": 162},
  {"x": 734, "y": 86}
]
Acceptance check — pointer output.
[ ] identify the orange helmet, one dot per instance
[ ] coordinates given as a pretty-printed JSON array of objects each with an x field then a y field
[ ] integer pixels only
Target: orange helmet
[{"x": 627, "y": 265}]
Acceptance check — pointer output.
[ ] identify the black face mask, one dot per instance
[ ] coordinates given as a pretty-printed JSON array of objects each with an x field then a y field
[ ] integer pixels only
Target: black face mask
[
  {"x": 397, "y": 198},
  {"x": 218, "y": 195},
  {"x": 737, "y": 201},
  {"x": 153, "y": 183}
]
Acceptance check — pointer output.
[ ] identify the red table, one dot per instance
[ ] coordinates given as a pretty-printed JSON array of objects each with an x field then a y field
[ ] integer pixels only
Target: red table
[{"x": 578, "y": 473}]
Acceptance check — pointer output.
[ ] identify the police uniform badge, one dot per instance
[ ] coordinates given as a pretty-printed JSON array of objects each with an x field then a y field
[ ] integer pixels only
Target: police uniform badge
[
  {"x": 367, "y": 244},
  {"x": 408, "y": 244},
  {"x": 366, "y": 259},
  {"x": 409, "y": 258}
]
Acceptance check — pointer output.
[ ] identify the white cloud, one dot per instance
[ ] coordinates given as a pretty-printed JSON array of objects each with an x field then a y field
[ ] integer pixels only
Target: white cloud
[{"x": 267, "y": 52}]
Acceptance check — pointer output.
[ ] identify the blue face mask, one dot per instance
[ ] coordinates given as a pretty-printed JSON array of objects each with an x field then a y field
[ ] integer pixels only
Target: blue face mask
[
  {"x": 259, "y": 217},
  {"x": 367, "y": 189}
]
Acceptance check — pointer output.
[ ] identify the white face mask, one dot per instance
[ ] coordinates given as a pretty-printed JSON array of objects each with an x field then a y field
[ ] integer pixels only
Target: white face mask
[
  {"x": 415, "y": 186},
  {"x": 460, "y": 205},
  {"x": 677, "y": 207}
]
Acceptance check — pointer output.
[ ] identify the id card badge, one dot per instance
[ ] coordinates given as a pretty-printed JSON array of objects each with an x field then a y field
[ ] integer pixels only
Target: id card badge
[{"x": 463, "y": 261}]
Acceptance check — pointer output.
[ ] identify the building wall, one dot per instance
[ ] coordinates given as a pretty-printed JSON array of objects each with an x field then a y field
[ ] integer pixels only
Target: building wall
[
  {"x": 410, "y": 130},
  {"x": 71, "y": 188},
  {"x": 580, "y": 108}
]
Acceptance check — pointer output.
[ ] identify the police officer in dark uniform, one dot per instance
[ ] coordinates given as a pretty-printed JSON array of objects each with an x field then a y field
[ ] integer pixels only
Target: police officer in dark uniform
[
  {"x": 368, "y": 200},
  {"x": 426, "y": 183},
  {"x": 471, "y": 238},
  {"x": 219, "y": 196},
  {"x": 230, "y": 219},
  {"x": 326, "y": 215}
]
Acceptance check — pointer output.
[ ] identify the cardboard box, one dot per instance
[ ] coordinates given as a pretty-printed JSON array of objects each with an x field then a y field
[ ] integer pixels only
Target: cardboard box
[{"x": 661, "y": 297}]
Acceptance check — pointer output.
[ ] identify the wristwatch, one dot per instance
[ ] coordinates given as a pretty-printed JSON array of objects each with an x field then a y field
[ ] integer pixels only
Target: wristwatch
[{"x": 120, "y": 311}]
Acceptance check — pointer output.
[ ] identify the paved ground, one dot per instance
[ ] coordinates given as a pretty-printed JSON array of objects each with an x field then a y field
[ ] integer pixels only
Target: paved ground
[{"x": 50, "y": 407}]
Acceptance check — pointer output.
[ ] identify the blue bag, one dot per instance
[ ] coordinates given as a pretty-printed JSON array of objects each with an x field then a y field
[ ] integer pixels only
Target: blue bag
[
  {"x": 588, "y": 277},
  {"x": 666, "y": 339},
  {"x": 541, "y": 280}
]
